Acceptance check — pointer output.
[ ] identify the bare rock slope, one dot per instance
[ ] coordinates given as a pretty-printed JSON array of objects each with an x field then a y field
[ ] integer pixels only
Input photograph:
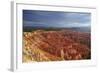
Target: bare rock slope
[{"x": 56, "y": 45}]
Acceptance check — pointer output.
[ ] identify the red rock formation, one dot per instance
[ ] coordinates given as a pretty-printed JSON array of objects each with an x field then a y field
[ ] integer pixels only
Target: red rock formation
[
  {"x": 55, "y": 41},
  {"x": 60, "y": 45}
]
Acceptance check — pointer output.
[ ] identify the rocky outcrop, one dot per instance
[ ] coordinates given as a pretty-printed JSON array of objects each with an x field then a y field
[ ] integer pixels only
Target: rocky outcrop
[{"x": 57, "y": 45}]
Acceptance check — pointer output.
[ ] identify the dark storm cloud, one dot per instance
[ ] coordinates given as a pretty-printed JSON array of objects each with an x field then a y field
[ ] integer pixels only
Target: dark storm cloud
[{"x": 55, "y": 19}]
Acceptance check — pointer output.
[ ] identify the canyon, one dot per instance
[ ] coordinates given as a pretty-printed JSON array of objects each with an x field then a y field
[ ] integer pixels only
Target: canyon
[{"x": 60, "y": 45}]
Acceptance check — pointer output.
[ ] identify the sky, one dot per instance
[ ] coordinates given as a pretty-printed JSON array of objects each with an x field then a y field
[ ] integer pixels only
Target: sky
[{"x": 36, "y": 18}]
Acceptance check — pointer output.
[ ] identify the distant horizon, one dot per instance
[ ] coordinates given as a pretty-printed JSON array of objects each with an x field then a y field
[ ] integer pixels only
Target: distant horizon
[{"x": 59, "y": 27}]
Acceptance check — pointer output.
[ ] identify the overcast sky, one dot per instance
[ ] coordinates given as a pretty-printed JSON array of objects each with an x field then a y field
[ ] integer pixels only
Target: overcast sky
[{"x": 55, "y": 19}]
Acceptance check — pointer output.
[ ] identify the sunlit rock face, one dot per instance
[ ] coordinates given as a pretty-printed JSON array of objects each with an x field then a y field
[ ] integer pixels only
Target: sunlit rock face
[{"x": 41, "y": 45}]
